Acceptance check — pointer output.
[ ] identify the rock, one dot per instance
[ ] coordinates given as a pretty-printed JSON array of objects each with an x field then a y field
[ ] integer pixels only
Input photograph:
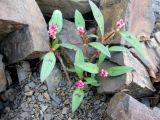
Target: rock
[
  {"x": 124, "y": 107},
  {"x": 8, "y": 78},
  {"x": 67, "y": 7},
  {"x": 139, "y": 17},
  {"x": 30, "y": 93},
  {"x": 26, "y": 30},
  {"x": 3, "y": 81},
  {"x": 136, "y": 83},
  {"x": 46, "y": 95},
  {"x": 23, "y": 71},
  {"x": 47, "y": 117},
  {"x": 25, "y": 115},
  {"x": 53, "y": 81},
  {"x": 65, "y": 110},
  {"x": 43, "y": 107}
]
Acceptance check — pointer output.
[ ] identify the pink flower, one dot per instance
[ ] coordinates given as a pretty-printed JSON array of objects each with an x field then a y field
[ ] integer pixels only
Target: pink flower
[
  {"x": 79, "y": 84},
  {"x": 103, "y": 73},
  {"x": 81, "y": 31},
  {"x": 120, "y": 24},
  {"x": 52, "y": 31}
]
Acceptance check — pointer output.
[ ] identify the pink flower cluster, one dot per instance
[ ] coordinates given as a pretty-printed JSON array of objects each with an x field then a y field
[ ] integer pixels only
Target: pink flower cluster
[
  {"x": 79, "y": 84},
  {"x": 103, "y": 73},
  {"x": 52, "y": 31},
  {"x": 81, "y": 31},
  {"x": 120, "y": 24}
]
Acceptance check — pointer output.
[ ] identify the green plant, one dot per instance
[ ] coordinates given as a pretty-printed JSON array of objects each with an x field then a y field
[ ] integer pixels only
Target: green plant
[
  {"x": 49, "y": 59},
  {"x": 86, "y": 67}
]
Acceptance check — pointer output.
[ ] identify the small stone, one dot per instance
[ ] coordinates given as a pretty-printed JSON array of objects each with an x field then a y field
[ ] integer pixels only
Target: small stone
[
  {"x": 46, "y": 95},
  {"x": 31, "y": 84},
  {"x": 43, "y": 107},
  {"x": 24, "y": 115},
  {"x": 47, "y": 117},
  {"x": 65, "y": 110},
  {"x": 66, "y": 102},
  {"x": 40, "y": 98},
  {"x": 27, "y": 89},
  {"x": 70, "y": 119},
  {"x": 30, "y": 93}
]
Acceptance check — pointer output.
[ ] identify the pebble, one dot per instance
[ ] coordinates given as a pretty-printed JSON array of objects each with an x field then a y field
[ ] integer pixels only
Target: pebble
[
  {"x": 46, "y": 95},
  {"x": 43, "y": 107},
  {"x": 30, "y": 93},
  {"x": 65, "y": 110}
]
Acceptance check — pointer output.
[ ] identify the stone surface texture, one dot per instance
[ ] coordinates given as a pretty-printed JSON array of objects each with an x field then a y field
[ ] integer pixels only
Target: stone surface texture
[
  {"x": 67, "y": 7},
  {"x": 28, "y": 41},
  {"x": 124, "y": 107}
]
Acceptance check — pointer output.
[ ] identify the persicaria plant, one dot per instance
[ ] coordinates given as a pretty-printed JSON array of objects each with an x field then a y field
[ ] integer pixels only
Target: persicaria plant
[{"x": 88, "y": 67}]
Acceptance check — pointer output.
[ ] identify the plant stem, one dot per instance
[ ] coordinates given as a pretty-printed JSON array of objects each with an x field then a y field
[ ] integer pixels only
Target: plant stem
[
  {"x": 63, "y": 66},
  {"x": 110, "y": 35}
]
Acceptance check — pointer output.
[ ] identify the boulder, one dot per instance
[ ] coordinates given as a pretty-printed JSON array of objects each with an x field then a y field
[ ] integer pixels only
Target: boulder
[
  {"x": 136, "y": 83},
  {"x": 24, "y": 30},
  {"x": 124, "y": 107},
  {"x": 3, "y": 81},
  {"x": 67, "y": 7},
  {"x": 139, "y": 16}
]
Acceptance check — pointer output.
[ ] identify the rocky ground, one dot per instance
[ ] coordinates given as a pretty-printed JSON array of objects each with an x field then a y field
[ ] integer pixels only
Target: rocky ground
[{"x": 33, "y": 102}]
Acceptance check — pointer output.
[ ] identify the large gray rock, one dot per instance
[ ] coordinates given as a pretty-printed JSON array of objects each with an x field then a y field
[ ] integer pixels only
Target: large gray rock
[
  {"x": 139, "y": 16},
  {"x": 3, "y": 81},
  {"x": 28, "y": 37},
  {"x": 136, "y": 83},
  {"x": 125, "y": 107},
  {"x": 67, "y": 7}
]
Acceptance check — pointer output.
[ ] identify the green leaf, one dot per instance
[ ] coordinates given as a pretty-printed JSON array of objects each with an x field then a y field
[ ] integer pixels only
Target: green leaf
[
  {"x": 91, "y": 81},
  {"x": 133, "y": 41},
  {"x": 97, "y": 16},
  {"x": 77, "y": 98},
  {"x": 48, "y": 64},
  {"x": 79, "y": 58},
  {"x": 79, "y": 20},
  {"x": 56, "y": 46},
  {"x": 92, "y": 36},
  {"x": 88, "y": 67},
  {"x": 101, "y": 59},
  {"x": 119, "y": 70},
  {"x": 101, "y": 48},
  {"x": 71, "y": 70},
  {"x": 57, "y": 19},
  {"x": 117, "y": 49},
  {"x": 70, "y": 46},
  {"x": 79, "y": 72},
  {"x": 55, "y": 41}
]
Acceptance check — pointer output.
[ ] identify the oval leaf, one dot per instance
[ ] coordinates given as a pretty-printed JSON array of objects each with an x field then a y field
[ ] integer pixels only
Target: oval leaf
[
  {"x": 48, "y": 64},
  {"x": 117, "y": 49},
  {"x": 119, "y": 70},
  {"x": 91, "y": 81},
  {"x": 57, "y": 19},
  {"x": 79, "y": 58},
  {"x": 77, "y": 98},
  {"x": 97, "y": 16},
  {"x": 101, "y": 48},
  {"x": 101, "y": 59},
  {"x": 133, "y": 41},
  {"x": 79, "y": 20},
  {"x": 92, "y": 36},
  {"x": 88, "y": 67}
]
